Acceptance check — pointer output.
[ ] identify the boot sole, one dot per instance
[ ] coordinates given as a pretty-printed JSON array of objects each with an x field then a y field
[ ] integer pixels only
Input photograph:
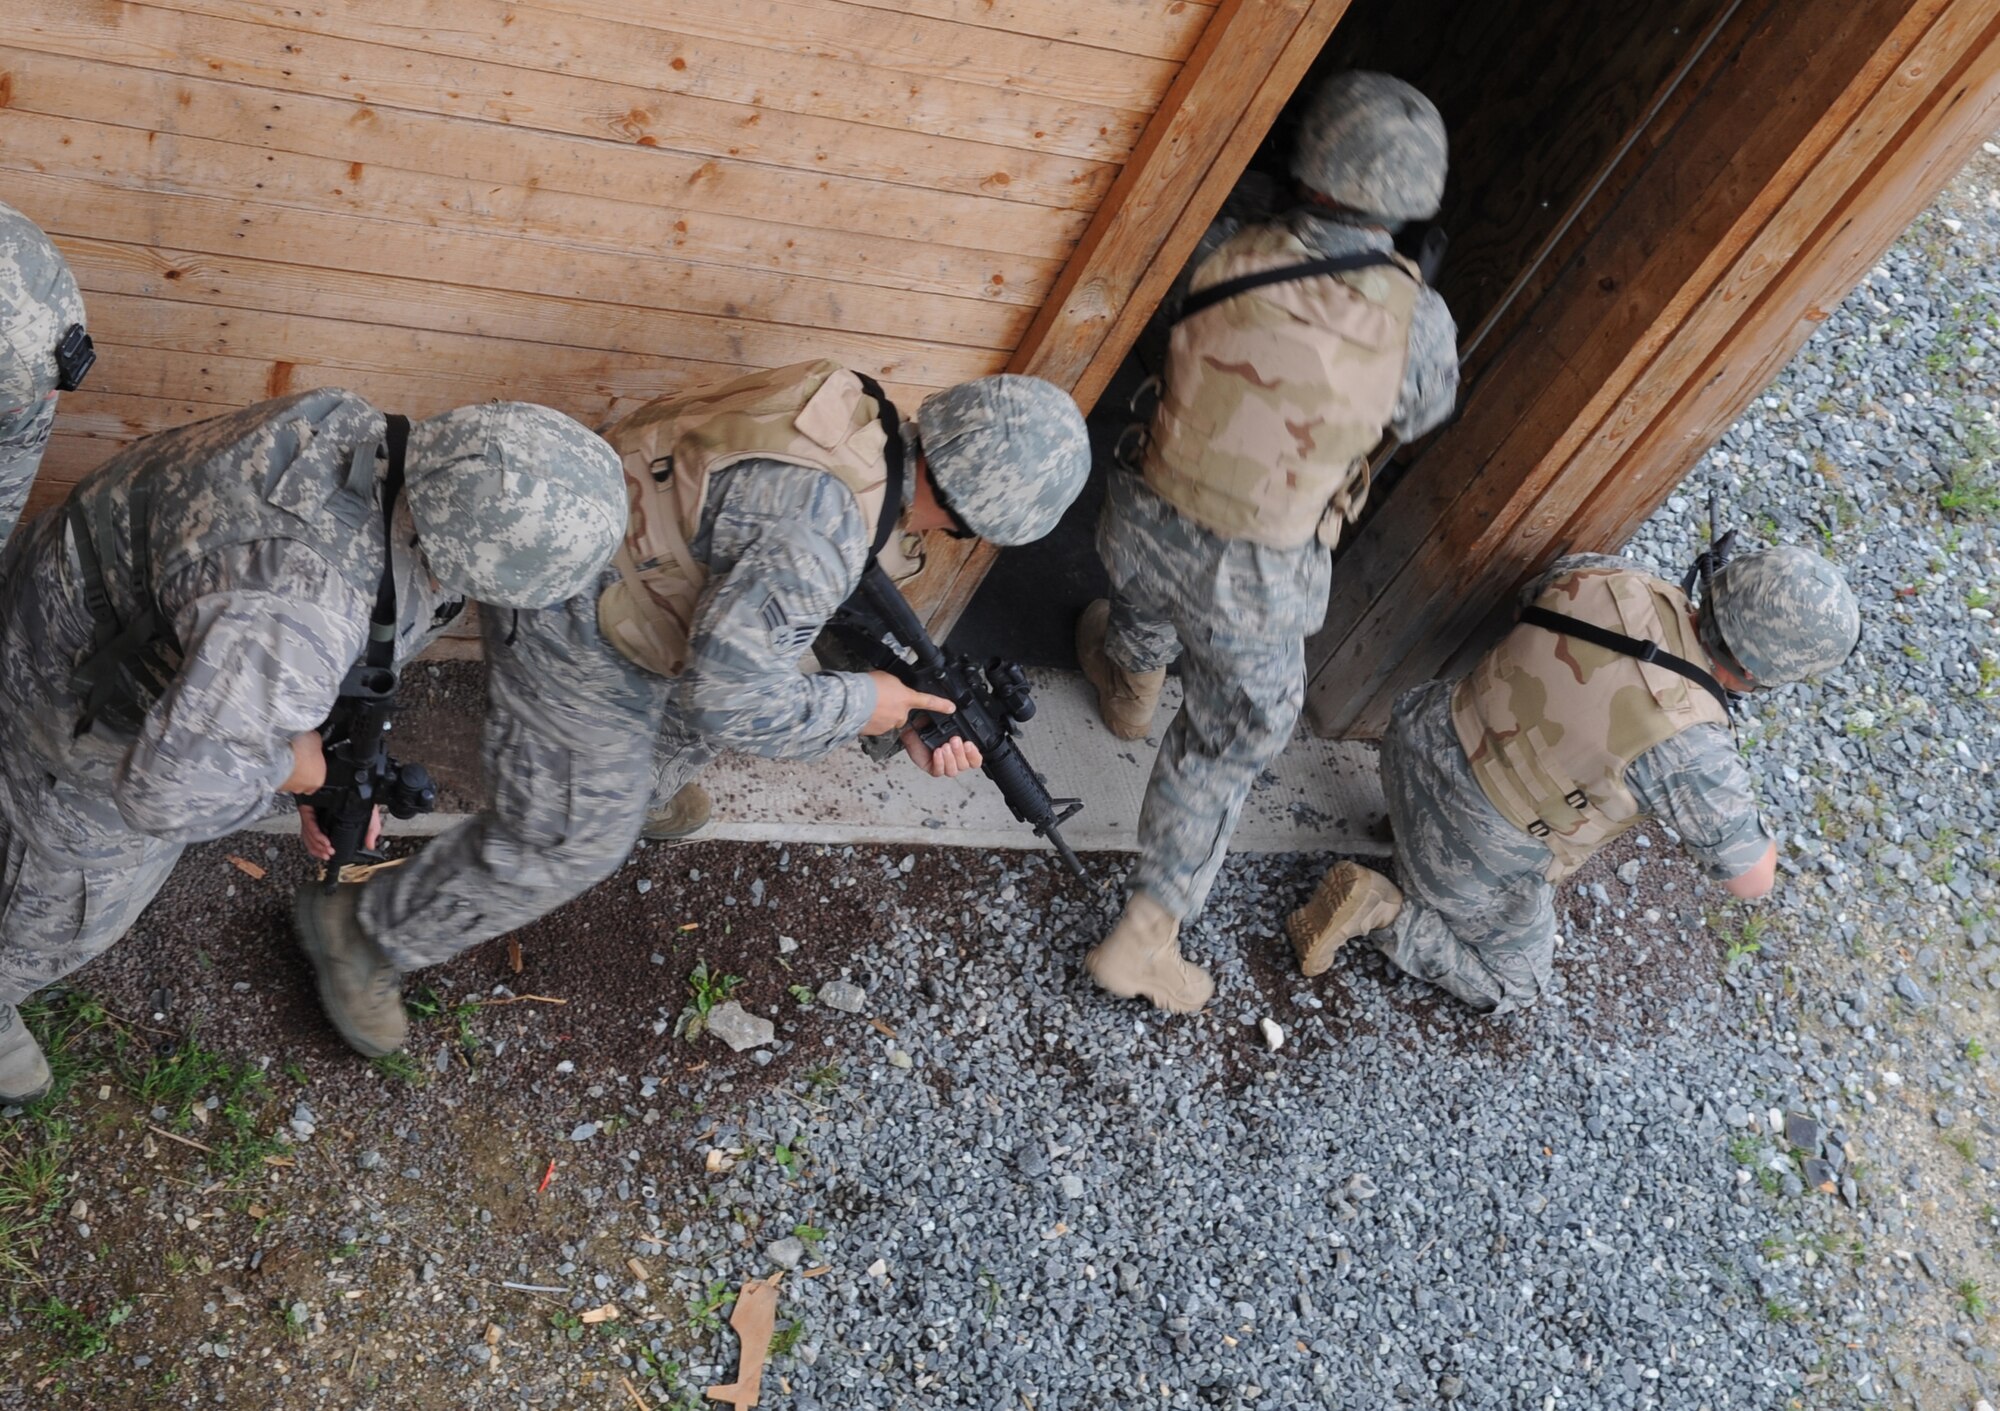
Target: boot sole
[
  {"x": 28, "y": 1099},
  {"x": 1317, "y": 946},
  {"x": 312, "y": 940}
]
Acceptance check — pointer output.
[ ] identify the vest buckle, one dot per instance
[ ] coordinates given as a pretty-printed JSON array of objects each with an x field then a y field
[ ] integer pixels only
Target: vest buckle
[
  {"x": 1577, "y": 799},
  {"x": 1540, "y": 828}
]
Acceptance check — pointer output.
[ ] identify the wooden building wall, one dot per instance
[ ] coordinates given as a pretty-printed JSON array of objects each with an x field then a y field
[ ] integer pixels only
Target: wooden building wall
[{"x": 579, "y": 202}]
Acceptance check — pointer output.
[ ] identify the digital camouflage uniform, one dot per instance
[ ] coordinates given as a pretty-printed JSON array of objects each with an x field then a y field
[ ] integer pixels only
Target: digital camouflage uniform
[
  {"x": 579, "y": 737},
  {"x": 39, "y": 303},
  {"x": 1478, "y": 915},
  {"x": 263, "y": 558},
  {"x": 1237, "y": 613}
]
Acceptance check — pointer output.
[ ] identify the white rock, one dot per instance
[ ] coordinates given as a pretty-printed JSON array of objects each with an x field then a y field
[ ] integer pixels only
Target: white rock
[
  {"x": 739, "y": 1028},
  {"x": 843, "y": 995},
  {"x": 879, "y": 1269},
  {"x": 786, "y": 945},
  {"x": 1274, "y": 1034}
]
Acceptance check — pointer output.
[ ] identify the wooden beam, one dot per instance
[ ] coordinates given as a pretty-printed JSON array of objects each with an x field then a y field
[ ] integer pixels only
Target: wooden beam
[
  {"x": 1753, "y": 193},
  {"x": 1242, "y": 70}
]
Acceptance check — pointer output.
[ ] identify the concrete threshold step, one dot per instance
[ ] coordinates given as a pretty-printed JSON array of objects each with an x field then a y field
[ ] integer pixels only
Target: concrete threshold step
[{"x": 1321, "y": 796}]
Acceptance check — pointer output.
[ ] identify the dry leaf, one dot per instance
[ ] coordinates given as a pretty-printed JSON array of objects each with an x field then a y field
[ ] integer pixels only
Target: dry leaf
[
  {"x": 638, "y": 1269},
  {"x": 246, "y": 866},
  {"x": 883, "y": 1029},
  {"x": 492, "y": 1334},
  {"x": 718, "y": 1160},
  {"x": 255, "y": 1212},
  {"x": 514, "y": 956}
]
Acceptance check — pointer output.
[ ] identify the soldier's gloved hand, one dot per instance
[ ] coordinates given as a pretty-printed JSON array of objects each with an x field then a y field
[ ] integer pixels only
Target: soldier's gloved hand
[
  {"x": 895, "y": 702},
  {"x": 947, "y": 761},
  {"x": 319, "y": 847}
]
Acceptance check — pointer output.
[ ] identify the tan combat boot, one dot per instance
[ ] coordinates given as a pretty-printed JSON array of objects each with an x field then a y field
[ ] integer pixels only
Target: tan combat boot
[
  {"x": 1142, "y": 956},
  {"x": 1351, "y": 901},
  {"x": 1126, "y": 699},
  {"x": 686, "y": 813},
  {"x": 24, "y": 1072},
  {"x": 360, "y": 990}
]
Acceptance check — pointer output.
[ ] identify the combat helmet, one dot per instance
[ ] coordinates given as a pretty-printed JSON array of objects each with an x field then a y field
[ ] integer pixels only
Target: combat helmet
[
  {"x": 1374, "y": 144},
  {"x": 514, "y": 504},
  {"x": 1783, "y": 614},
  {"x": 1007, "y": 454},
  {"x": 39, "y": 305}
]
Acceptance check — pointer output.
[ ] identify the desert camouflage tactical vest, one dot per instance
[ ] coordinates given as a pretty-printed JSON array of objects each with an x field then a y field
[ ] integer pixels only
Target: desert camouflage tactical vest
[
  {"x": 812, "y": 414},
  {"x": 1273, "y": 398},
  {"x": 1551, "y": 723},
  {"x": 302, "y": 468}
]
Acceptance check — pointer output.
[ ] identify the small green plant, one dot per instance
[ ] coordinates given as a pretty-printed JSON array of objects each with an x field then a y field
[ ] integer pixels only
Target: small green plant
[
  {"x": 78, "y": 1336},
  {"x": 787, "y": 1337},
  {"x": 296, "y": 1071},
  {"x": 1963, "y": 1144},
  {"x": 786, "y": 1159},
  {"x": 823, "y": 1078},
  {"x": 706, "y": 989},
  {"x": 994, "y": 1296},
  {"x": 1779, "y": 1311},
  {"x": 346, "y": 1250},
  {"x": 32, "y": 1185},
  {"x": 1768, "y": 1180},
  {"x": 706, "y": 1311},
  {"x": 809, "y": 1235},
  {"x": 1974, "y": 1050},
  {"x": 1971, "y": 1299},
  {"x": 1977, "y": 597},
  {"x": 1747, "y": 941},
  {"x": 1743, "y": 1151},
  {"x": 190, "y": 1074},
  {"x": 802, "y": 993},
  {"x": 1970, "y": 490},
  {"x": 399, "y": 1067},
  {"x": 567, "y": 1325},
  {"x": 292, "y": 1319}
]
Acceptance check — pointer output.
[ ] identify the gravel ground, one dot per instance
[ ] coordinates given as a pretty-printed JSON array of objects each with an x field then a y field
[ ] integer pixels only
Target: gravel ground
[{"x": 1741, "y": 1157}]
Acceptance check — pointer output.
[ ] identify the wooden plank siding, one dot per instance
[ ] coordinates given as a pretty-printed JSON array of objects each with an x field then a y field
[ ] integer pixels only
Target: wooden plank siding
[
  {"x": 580, "y": 202},
  {"x": 1828, "y": 127}
]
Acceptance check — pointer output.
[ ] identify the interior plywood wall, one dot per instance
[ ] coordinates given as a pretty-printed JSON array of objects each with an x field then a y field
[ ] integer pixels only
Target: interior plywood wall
[{"x": 584, "y": 203}]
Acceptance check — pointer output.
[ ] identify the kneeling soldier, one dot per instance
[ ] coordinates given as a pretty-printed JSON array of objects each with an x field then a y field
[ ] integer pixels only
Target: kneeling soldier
[
  {"x": 43, "y": 351},
  {"x": 172, "y": 635},
  {"x": 754, "y": 507},
  {"x": 1563, "y": 736}
]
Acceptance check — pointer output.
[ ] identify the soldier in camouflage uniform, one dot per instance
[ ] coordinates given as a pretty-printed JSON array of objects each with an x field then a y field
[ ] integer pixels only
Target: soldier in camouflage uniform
[
  {"x": 1218, "y": 542},
  {"x": 1502, "y": 784},
  {"x": 39, "y": 308},
  {"x": 755, "y": 505},
  {"x": 172, "y": 635}
]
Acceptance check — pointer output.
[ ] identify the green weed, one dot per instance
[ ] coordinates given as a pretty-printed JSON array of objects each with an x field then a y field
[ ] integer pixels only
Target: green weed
[
  {"x": 1971, "y": 1299},
  {"x": 401, "y": 1068},
  {"x": 32, "y": 1185},
  {"x": 78, "y": 1336},
  {"x": 706, "y": 989},
  {"x": 706, "y": 1311}
]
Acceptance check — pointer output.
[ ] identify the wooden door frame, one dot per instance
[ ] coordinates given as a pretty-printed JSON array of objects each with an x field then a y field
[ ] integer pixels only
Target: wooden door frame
[{"x": 1828, "y": 130}]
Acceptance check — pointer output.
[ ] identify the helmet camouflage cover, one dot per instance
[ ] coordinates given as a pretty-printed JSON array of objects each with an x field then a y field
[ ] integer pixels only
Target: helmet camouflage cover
[
  {"x": 1374, "y": 144},
  {"x": 1784, "y": 614},
  {"x": 515, "y": 505},
  {"x": 1007, "y": 453}
]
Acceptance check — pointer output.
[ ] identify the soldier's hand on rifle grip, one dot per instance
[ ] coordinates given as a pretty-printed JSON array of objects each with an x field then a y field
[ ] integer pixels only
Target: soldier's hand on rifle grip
[
  {"x": 895, "y": 703},
  {"x": 948, "y": 760},
  {"x": 308, "y": 765},
  {"x": 318, "y": 846}
]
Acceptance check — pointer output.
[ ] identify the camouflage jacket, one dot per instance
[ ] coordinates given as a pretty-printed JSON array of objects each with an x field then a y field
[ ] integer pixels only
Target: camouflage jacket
[
  {"x": 267, "y": 627},
  {"x": 784, "y": 546}
]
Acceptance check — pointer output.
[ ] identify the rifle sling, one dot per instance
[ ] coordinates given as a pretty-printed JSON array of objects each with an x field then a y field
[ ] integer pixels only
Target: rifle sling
[
  {"x": 1284, "y": 274},
  {"x": 892, "y": 454},
  {"x": 1649, "y": 652}
]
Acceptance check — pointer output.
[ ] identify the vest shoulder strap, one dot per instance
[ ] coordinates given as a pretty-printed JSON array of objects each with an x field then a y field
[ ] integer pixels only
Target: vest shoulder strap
[
  {"x": 1284, "y": 274},
  {"x": 1649, "y": 652}
]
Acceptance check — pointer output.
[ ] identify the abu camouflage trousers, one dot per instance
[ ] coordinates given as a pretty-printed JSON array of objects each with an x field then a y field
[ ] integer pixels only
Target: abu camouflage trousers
[
  {"x": 1237, "y": 615},
  {"x": 73, "y": 879},
  {"x": 1478, "y": 915},
  {"x": 572, "y": 730}
]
